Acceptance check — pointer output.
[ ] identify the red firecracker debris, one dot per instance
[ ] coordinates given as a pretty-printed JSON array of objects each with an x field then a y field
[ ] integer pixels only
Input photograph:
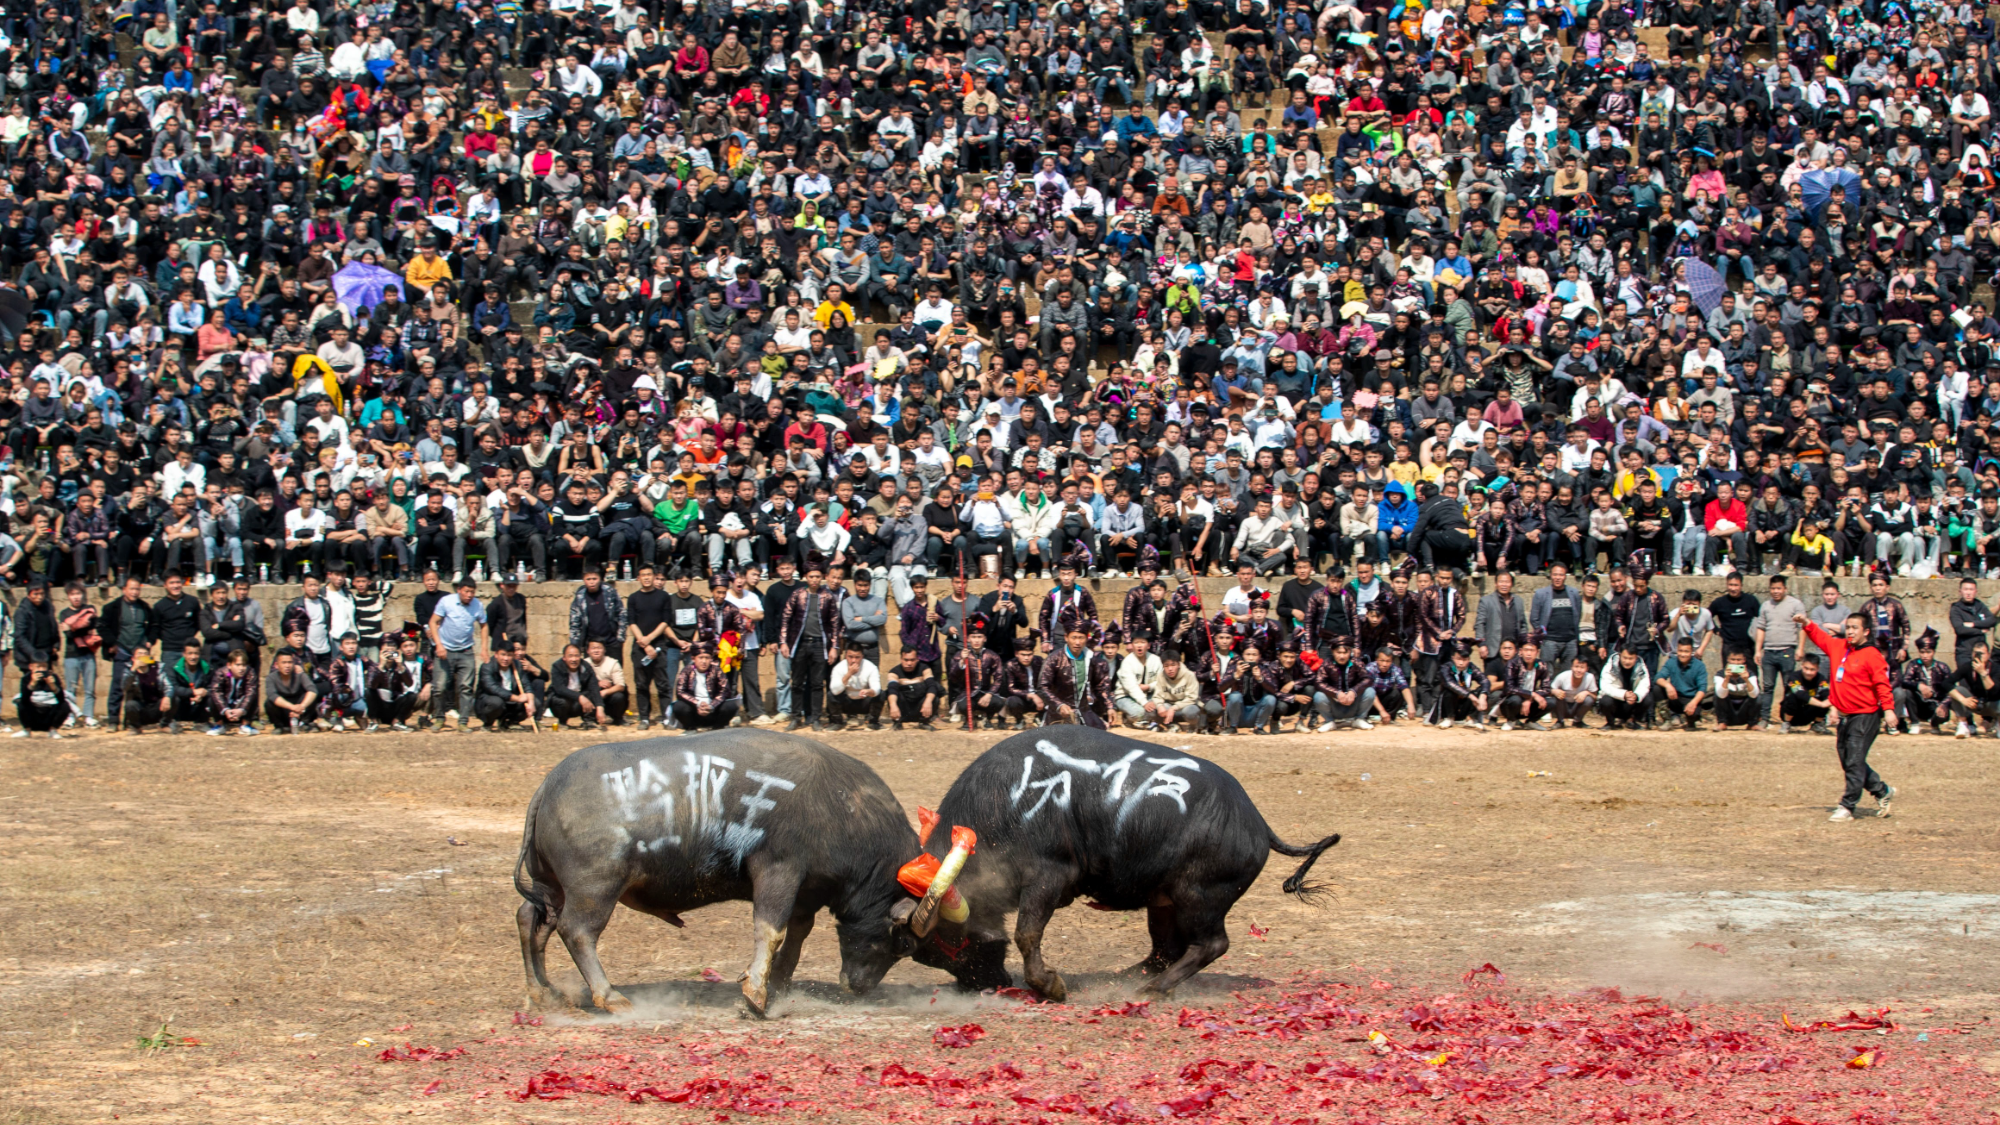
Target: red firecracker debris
[
  {"x": 965, "y": 1035},
  {"x": 1314, "y": 1050},
  {"x": 711, "y": 976},
  {"x": 1854, "y": 1021},
  {"x": 407, "y": 1053}
]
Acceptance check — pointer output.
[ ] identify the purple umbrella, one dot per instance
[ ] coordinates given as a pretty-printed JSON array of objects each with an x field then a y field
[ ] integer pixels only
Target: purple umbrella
[
  {"x": 359, "y": 285},
  {"x": 1705, "y": 285}
]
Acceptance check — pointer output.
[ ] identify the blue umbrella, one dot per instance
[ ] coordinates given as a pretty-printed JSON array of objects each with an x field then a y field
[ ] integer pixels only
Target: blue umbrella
[
  {"x": 1818, "y": 186},
  {"x": 1705, "y": 285},
  {"x": 359, "y": 285}
]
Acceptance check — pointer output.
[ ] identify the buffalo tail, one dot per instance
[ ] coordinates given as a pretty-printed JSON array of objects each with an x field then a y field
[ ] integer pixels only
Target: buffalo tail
[
  {"x": 1297, "y": 885},
  {"x": 524, "y": 881}
]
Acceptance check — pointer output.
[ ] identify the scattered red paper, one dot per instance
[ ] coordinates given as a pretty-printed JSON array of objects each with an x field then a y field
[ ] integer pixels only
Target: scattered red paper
[
  {"x": 712, "y": 977},
  {"x": 407, "y": 1053},
  {"x": 964, "y": 1035},
  {"x": 433, "y": 1088},
  {"x": 1855, "y": 1021},
  {"x": 1363, "y": 1052},
  {"x": 1714, "y": 946},
  {"x": 1258, "y": 932},
  {"x": 1129, "y": 1008},
  {"x": 523, "y": 1019},
  {"x": 400, "y": 1028}
]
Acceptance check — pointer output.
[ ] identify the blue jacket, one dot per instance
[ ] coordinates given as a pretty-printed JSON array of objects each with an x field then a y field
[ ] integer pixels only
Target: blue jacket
[{"x": 1396, "y": 510}]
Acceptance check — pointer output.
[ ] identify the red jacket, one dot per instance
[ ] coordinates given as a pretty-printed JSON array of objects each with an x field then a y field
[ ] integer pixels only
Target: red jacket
[
  {"x": 1735, "y": 512},
  {"x": 1860, "y": 676}
]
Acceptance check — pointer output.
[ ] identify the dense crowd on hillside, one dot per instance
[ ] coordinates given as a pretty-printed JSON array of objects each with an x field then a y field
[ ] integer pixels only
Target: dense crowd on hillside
[{"x": 359, "y": 291}]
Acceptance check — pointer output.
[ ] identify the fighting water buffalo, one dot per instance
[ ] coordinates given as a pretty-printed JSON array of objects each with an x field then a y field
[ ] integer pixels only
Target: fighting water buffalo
[
  {"x": 666, "y": 825},
  {"x": 1069, "y": 812}
]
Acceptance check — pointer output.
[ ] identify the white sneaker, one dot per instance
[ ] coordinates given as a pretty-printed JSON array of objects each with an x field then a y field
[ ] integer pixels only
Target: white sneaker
[
  {"x": 1325, "y": 727},
  {"x": 55, "y": 734},
  {"x": 69, "y": 723},
  {"x": 1444, "y": 724},
  {"x": 90, "y": 722},
  {"x": 20, "y": 734},
  {"x": 1539, "y": 726},
  {"x": 1965, "y": 730},
  {"x": 1507, "y": 726},
  {"x": 1841, "y": 813},
  {"x": 1892, "y": 731},
  {"x": 1363, "y": 724},
  {"x": 1882, "y": 802},
  {"x": 1785, "y": 728}
]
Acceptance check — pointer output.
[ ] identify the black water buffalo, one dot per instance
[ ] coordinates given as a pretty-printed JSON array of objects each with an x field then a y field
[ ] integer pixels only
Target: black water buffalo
[
  {"x": 1069, "y": 812},
  {"x": 666, "y": 825}
]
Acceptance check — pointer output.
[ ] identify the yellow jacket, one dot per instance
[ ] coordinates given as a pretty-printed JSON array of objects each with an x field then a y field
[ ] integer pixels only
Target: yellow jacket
[{"x": 422, "y": 274}]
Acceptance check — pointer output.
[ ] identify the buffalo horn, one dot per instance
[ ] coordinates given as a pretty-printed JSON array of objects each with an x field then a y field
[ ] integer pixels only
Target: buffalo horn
[{"x": 926, "y": 917}]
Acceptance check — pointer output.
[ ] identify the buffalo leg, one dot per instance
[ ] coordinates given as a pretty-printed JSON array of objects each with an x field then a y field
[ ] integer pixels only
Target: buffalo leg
[
  {"x": 1167, "y": 945},
  {"x": 773, "y": 900},
  {"x": 535, "y": 930},
  {"x": 787, "y": 961},
  {"x": 581, "y": 922},
  {"x": 1206, "y": 934},
  {"x": 1037, "y": 907}
]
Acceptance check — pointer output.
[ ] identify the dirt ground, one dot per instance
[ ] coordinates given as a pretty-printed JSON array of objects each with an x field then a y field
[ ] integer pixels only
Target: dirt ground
[{"x": 282, "y": 900}]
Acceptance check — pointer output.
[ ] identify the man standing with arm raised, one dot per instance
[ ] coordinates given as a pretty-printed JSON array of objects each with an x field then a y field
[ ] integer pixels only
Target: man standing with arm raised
[{"x": 1862, "y": 695}]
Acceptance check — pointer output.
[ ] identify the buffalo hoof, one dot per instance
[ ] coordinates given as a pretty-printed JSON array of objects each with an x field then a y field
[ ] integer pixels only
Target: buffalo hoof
[
  {"x": 1151, "y": 967},
  {"x": 757, "y": 1000},
  {"x": 614, "y": 1001},
  {"x": 1152, "y": 991},
  {"x": 1053, "y": 989},
  {"x": 542, "y": 998}
]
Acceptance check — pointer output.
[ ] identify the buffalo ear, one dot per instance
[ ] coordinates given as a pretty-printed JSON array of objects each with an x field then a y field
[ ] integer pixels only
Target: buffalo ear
[{"x": 899, "y": 914}]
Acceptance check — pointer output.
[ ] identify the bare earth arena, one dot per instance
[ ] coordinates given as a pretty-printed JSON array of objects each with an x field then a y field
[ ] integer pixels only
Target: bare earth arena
[{"x": 1563, "y": 927}]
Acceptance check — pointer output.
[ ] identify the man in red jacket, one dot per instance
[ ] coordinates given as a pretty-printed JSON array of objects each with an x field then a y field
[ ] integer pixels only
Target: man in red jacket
[
  {"x": 1862, "y": 695},
  {"x": 1728, "y": 522}
]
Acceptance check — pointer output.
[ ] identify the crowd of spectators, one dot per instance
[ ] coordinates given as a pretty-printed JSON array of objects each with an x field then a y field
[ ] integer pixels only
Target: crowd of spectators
[{"x": 358, "y": 292}]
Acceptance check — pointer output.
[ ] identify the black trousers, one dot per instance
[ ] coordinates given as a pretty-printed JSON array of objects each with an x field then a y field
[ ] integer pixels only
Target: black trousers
[
  {"x": 1854, "y": 737},
  {"x": 568, "y": 705},
  {"x": 910, "y": 698},
  {"x": 649, "y": 680},
  {"x": 719, "y": 716},
  {"x": 494, "y": 712},
  {"x": 844, "y": 707},
  {"x": 809, "y": 672},
  {"x": 1796, "y": 709},
  {"x": 391, "y": 710},
  {"x": 1429, "y": 677},
  {"x": 434, "y": 550},
  {"x": 39, "y": 719},
  {"x": 1736, "y": 711},
  {"x": 1618, "y": 711}
]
